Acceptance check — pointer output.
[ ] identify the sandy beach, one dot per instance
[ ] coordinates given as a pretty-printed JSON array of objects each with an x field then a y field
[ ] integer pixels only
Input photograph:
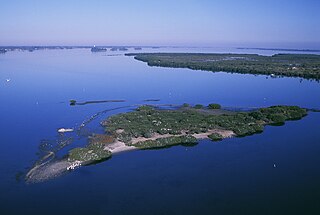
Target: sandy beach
[{"x": 118, "y": 146}]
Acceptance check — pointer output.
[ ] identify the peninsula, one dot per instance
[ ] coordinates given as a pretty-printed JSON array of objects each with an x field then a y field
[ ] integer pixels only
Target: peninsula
[{"x": 289, "y": 65}]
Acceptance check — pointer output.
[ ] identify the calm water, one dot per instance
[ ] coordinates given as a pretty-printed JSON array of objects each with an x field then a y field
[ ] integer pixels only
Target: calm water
[{"x": 234, "y": 176}]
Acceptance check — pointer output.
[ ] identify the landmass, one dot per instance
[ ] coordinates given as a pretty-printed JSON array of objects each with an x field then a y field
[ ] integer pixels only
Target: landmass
[
  {"x": 98, "y": 49},
  {"x": 118, "y": 49},
  {"x": 281, "y": 49},
  {"x": 289, "y": 65},
  {"x": 4, "y": 49},
  {"x": 74, "y": 102},
  {"x": 149, "y": 127},
  {"x": 35, "y": 48}
]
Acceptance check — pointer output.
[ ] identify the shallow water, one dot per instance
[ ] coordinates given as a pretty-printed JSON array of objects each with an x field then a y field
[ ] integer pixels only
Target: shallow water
[{"x": 234, "y": 176}]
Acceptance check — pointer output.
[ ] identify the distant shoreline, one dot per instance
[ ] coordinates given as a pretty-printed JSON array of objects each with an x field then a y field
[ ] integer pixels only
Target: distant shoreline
[
  {"x": 31, "y": 48},
  {"x": 281, "y": 49},
  {"x": 278, "y": 65}
]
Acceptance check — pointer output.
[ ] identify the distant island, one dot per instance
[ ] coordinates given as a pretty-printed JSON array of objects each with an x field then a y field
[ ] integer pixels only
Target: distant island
[
  {"x": 4, "y": 49},
  {"x": 289, "y": 65},
  {"x": 35, "y": 48},
  {"x": 281, "y": 49},
  {"x": 98, "y": 49},
  {"x": 118, "y": 49}
]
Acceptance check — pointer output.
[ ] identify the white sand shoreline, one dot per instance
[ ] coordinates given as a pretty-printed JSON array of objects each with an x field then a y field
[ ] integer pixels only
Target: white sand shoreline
[{"x": 118, "y": 146}]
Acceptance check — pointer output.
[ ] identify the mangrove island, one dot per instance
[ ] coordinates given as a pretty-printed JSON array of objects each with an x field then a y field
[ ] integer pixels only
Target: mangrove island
[
  {"x": 289, "y": 65},
  {"x": 152, "y": 127},
  {"x": 148, "y": 128}
]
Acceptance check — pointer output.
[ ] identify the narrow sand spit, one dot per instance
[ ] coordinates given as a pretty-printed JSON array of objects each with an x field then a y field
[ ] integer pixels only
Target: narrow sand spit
[
  {"x": 47, "y": 171},
  {"x": 51, "y": 170}
]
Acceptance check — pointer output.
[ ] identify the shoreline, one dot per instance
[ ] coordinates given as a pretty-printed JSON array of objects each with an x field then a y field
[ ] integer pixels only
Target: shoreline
[
  {"x": 150, "y": 128},
  {"x": 254, "y": 64},
  {"x": 119, "y": 146}
]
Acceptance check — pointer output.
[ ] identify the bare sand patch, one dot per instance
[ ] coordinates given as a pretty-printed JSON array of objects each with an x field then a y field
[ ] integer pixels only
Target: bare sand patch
[{"x": 119, "y": 146}]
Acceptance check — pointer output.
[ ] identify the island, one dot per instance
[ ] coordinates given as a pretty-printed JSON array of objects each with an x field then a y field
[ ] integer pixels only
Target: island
[
  {"x": 149, "y": 127},
  {"x": 37, "y": 48},
  {"x": 153, "y": 127},
  {"x": 290, "y": 65},
  {"x": 116, "y": 48},
  {"x": 279, "y": 49},
  {"x": 98, "y": 49}
]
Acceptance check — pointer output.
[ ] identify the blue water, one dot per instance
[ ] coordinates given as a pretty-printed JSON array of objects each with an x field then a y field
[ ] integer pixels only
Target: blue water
[{"x": 234, "y": 176}]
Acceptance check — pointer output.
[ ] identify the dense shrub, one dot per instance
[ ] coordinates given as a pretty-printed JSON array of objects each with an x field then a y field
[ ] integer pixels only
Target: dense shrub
[
  {"x": 91, "y": 153},
  {"x": 214, "y": 106},
  {"x": 198, "y": 106},
  {"x": 146, "y": 121},
  {"x": 166, "y": 142},
  {"x": 297, "y": 65},
  {"x": 215, "y": 137}
]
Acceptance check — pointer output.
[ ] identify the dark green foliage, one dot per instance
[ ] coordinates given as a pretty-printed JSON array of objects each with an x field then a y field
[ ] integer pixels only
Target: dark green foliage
[
  {"x": 215, "y": 137},
  {"x": 291, "y": 65},
  {"x": 73, "y": 102},
  {"x": 258, "y": 115},
  {"x": 166, "y": 142},
  {"x": 277, "y": 118},
  {"x": 214, "y": 106},
  {"x": 145, "y": 108},
  {"x": 198, "y": 106},
  {"x": 91, "y": 153},
  {"x": 185, "y": 105},
  {"x": 145, "y": 123}
]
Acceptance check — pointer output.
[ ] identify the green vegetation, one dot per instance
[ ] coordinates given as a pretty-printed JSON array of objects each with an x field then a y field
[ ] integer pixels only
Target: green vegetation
[
  {"x": 166, "y": 128},
  {"x": 166, "y": 142},
  {"x": 145, "y": 108},
  {"x": 198, "y": 106},
  {"x": 215, "y": 137},
  {"x": 291, "y": 65},
  {"x": 147, "y": 121},
  {"x": 214, "y": 106},
  {"x": 73, "y": 102},
  {"x": 91, "y": 153}
]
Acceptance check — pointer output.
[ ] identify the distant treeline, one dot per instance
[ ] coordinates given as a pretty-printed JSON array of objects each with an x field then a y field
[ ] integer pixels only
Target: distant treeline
[
  {"x": 281, "y": 49},
  {"x": 34, "y": 48},
  {"x": 289, "y": 65}
]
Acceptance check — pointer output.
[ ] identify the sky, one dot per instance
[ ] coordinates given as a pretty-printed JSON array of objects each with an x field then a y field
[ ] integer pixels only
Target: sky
[{"x": 210, "y": 23}]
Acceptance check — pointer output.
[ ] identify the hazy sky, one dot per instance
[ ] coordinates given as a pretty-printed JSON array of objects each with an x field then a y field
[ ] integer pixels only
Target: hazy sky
[{"x": 287, "y": 23}]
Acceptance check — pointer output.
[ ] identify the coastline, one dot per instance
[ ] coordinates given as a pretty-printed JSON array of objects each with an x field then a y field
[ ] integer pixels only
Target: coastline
[
  {"x": 278, "y": 65},
  {"x": 150, "y": 128},
  {"x": 119, "y": 146}
]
